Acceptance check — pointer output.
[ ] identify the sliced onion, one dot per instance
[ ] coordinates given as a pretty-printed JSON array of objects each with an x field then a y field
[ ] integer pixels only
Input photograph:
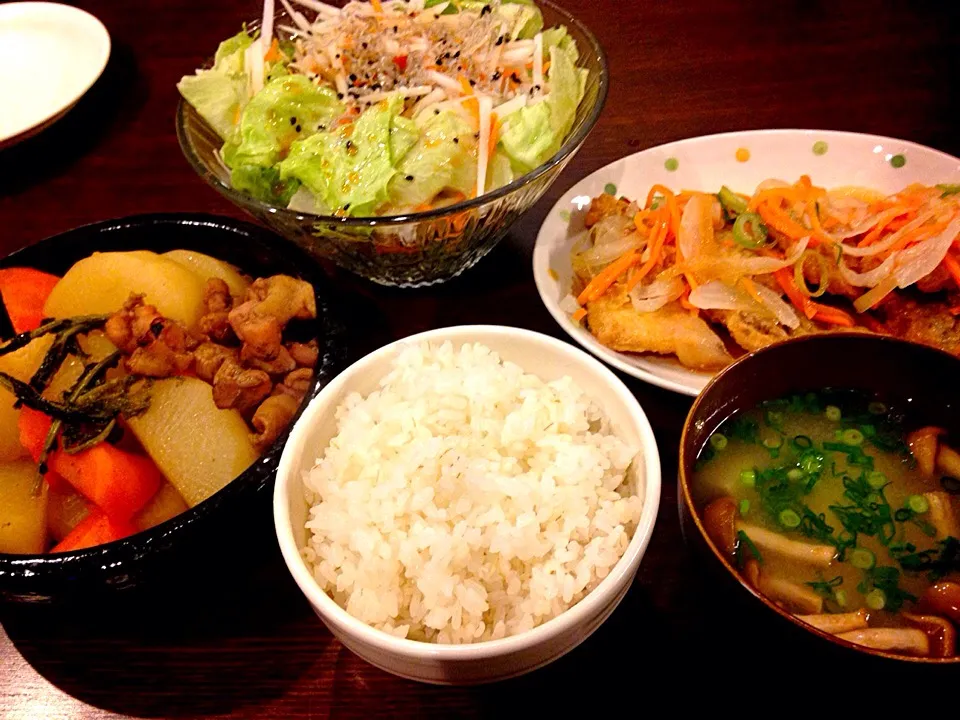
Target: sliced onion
[
  {"x": 647, "y": 298},
  {"x": 717, "y": 295},
  {"x": 880, "y": 247},
  {"x": 784, "y": 314},
  {"x": 766, "y": 265},
  {"x": 870, "y": 278},
  {"x": 916, "y": 262},
  {"x": 607, "y": 252},
  {"x": 696, "y": 226},
  {"x": 875, "y": 295},
  {"x": 569, "y": 304}
]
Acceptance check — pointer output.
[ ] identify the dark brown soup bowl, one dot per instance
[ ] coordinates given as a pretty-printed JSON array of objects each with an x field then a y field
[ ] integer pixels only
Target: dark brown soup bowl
[
  {"x": 208, "y": 535},
  {"x": 919, "y": 379}
]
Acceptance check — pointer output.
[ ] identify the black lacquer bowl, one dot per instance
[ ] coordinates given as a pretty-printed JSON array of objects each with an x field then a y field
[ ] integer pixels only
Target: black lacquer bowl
[{"x": 216, "y": 529}]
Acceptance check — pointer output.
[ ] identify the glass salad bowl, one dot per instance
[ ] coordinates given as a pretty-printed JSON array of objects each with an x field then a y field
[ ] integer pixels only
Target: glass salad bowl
[{"x": 420, "y": 248}]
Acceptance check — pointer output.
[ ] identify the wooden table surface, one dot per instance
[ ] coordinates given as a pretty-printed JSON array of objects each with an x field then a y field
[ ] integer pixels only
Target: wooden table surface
[{"x": 249, "y": 646}]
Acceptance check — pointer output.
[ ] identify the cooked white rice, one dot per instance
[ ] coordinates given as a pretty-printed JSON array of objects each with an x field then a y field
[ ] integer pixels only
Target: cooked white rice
[{"x": 467, "y": 500}]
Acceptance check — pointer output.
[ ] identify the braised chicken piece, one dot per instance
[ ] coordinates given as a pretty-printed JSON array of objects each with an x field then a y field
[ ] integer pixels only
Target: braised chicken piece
[
  {"x": 235, "y": 386},
  {"x": 604, "y": 205},
  {"x": 272, "y": 417},
  {"x": 270, "y": 304},
  {"x": 929, "y": 322},
  {"x": 296, "y": 384},
  {"x": 209, "y": 357},
  {"x": 157, "y": 346},
  {"x": 304, "y": 354},
  {"x": 215, "y": 322},
  {"x": 280, "y": 365}
]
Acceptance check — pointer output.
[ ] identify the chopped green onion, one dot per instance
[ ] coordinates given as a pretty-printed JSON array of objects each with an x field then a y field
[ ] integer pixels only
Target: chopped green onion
[
  {"x": 852, "y": 436},
  {"x": 789, "y": 518},
  {"x": 949, "y": 189},
  {"x": 802, "y": 442},
  {"x": 718, "y": 441},
  {"x": 744, "y": 507},
  {"x": 868, "y": 430},
  {"x": 794, "y": 474},
  {"x": 800, "y": 278},
  {"x": 773, "y": 441},
  {"x": 903, "y": 514},
  {"x": 748, "y": 477},
  {"x": 731, "y": 202},
  {"x": 774, "y": 419},
  {"x": 877, "y": 408},
  {"x": 918, "y": 503},
  {"x": 749, "y": 231},
  {"x": 876, "y": 479},
  {"x": 862, "y": 559},
  {"x": 876, "y": 599},
  {"x": 840, "y": 596},
  {"x": 833, "y": 413}
]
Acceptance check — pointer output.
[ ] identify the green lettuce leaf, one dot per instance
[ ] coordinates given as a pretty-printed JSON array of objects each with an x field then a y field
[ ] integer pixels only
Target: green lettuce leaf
[
  {"x": 403, "y": 136},
  {"x": 219, "y": 94},
  {"x": 349, "y": 169},
  {"x": 559, "y": 37},
  {"x": 532, "y": 135},
  {"x": 500, "y": 171},
  {"x": 287, "y": 108},
  {"x": 444, "y": 159}
]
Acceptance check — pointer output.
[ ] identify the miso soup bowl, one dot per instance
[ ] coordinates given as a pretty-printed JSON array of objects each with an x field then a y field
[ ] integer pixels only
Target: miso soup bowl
[
  {"x": 868, "y": 363},
  {"x": 490, "y": 660},
  {"x": 192, "y": 543}
]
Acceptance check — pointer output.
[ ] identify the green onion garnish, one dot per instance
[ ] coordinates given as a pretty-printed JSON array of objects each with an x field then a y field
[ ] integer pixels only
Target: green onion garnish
[
  {"x": 862, "y": 559},
  {"x": 833, "y": 413},
  {"x": 852, "y": 436},
  {"x": 749, "y": 231},
  {"x": 918, "y": 503},
  {"x": 876, "y": 599},
  {"x": 744, "y": 507},
  {"x": 877, "y": 408},
  {"x": 718, "y": 441},
  {"x": 748, "y": 477},
  {"x": 876, "y": 479},
  {"x": 789, "y": 518},
  {"x": 731, "y": 202}
]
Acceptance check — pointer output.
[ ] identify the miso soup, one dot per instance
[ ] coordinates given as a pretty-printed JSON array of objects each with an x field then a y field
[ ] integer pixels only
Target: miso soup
[{"x": 836, "y": 510}]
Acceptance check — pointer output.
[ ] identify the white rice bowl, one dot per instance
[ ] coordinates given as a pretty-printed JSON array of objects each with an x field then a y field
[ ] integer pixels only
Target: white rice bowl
[{"x": 466, "y": 500}]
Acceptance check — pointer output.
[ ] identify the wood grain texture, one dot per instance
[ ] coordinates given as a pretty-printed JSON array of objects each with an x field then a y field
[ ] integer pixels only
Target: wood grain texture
[{"x": 247, "y": 645}]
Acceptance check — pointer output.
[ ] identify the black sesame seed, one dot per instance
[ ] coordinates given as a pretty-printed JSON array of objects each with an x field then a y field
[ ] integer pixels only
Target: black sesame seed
[
  {"x": 456, "y": 141},
  {"x": 473, "y": 83},
  {"x": 486, "y": 10},
  {"x": 293, "y": 121},
  {"x": 456, "y": 55},
  {"x": 346, "y": 207},
  {"x": 338, "y": 56},
  {"x": 439, "y": 61},
  {"x": 497, "y": 75},
  {"x": 298, "y": 128},
  {"x": 409, "y": 178},
  {"x": 349, "y": 144},
  {"x": 500, "y": 40},
  {"x": 339, "y": 96},
  {"x": 436, "y": 112},
  {"x": 459, "y": 67},
  {"x": 353, "y": 78},
  {"x": 395, "y": 28},
  {"x": 515, "y": 77},
  {"x": 364, "y": 45}
]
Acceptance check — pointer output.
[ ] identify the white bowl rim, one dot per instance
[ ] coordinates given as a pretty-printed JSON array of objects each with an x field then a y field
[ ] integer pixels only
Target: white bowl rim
[
  {"x": 98, "y": 34},
  {"x": 622, "y": 571},
  {"x": 543, "y": 242}
]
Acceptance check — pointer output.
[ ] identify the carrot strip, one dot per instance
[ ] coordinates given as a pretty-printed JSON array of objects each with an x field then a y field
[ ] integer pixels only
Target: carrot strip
[
  {"x": 801, "y": 302},
  {"x": 782, "y": 193},
  {"x": 832, "y": 315},
  {"x": 751, "y": 289},
  {"x": 117, "y": 482},
  {"x": 780, "y": 222},
  {"x": 606, "y": 277},
  {"x": 579, "y": 314},
  {"x": 377, "y": 6},
  {"x": 494, "y": 135},
  {"x": 656, "y": 245},
  {"x": 95, "y": 529},
  {"x": 273, "y": 54},
  {"x": 951, "y": 265},
  {"x": 24, "y": 292}
]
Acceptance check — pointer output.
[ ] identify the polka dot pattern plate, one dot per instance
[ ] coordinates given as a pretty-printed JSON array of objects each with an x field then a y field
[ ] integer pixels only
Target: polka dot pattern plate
[{"x": 741, "y": 161}]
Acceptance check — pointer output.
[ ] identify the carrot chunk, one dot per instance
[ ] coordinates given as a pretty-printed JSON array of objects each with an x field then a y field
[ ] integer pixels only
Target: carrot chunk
[
  {"x": 95, "y": 529},
  {"x": 24, "y": 292}
]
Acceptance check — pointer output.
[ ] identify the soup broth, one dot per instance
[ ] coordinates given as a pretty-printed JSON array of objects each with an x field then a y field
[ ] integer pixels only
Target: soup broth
[{"x": 827, "y": 511}]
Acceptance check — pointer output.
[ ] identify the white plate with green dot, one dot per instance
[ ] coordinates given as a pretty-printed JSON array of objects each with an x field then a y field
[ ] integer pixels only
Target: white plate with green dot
[{"x": 740, "y": 160}]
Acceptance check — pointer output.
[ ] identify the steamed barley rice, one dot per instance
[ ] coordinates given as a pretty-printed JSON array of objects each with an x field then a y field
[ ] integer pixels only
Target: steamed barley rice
[{"x": 467, "y": 500}]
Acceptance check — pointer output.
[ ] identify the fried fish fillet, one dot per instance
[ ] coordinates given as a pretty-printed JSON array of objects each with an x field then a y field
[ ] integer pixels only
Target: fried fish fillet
[{"x": 671, "y": 330}]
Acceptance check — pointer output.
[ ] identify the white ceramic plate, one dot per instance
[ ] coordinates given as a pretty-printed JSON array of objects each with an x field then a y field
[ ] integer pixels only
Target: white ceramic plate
[
  {"x": 50, "y": 55},
  {"x": 741, "y": 161}
]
